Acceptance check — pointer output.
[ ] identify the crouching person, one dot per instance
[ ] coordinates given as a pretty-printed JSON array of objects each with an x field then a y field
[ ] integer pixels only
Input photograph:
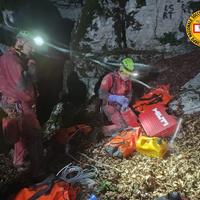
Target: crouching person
[{"x": 116, "y": 93}]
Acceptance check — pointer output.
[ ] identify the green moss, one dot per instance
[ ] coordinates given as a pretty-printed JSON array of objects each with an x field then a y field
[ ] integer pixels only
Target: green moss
[
  {"x": 140, "y": 3},
  {"x": 170, "y": 38}
]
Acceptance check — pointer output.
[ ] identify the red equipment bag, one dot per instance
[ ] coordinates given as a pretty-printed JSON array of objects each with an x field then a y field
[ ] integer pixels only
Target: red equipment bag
[
  {"x": 157, "y": 122},
  {"x": 160, "y": 95}
]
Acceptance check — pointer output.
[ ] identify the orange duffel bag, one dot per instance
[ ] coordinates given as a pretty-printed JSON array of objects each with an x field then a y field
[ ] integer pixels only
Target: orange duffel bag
[
  {"x": 49, "y": 189},
  {"x": 159, "y": 95},
  {"x": 123, "y": 144}
]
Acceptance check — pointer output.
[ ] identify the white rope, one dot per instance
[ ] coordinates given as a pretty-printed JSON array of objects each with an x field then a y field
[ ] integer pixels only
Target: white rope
[{"x": 75, "y": 174}]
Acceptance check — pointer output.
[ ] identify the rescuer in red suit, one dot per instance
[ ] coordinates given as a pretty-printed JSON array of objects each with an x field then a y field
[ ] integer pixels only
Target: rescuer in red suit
[
  {"x": 116, "y": 93},
  {"x": 18, "y": 98}
]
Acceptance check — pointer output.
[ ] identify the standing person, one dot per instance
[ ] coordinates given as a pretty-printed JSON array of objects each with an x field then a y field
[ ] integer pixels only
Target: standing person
[
  {"x": 18, "y": 98},
  {"x": 116, "y": 94}
]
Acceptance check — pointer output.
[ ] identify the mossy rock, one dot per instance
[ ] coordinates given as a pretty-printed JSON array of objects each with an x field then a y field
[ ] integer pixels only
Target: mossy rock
[{"x": 170, "y": 38}]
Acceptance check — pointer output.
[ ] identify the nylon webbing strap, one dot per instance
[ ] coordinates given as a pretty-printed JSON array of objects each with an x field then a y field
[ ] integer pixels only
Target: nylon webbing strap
[{"x": 49, "y": 181}]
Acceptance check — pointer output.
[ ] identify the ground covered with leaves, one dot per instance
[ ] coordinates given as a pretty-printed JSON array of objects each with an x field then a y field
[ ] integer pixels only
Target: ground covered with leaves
[{"x": 142, "y": 177}]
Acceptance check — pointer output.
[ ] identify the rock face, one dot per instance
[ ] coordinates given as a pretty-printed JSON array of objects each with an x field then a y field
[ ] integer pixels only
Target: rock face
[
  {"x": 189, "y": 99},
  {"x": 69, "y": 9},
  {"x": 140, "y": 25},
  {"x": 111, "y": 28},
  {"x": 158, "y": 23}
]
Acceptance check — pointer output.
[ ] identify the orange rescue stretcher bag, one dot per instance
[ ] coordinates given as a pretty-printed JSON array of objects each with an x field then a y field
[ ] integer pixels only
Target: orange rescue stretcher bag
[{"x": 159, "y": 95}]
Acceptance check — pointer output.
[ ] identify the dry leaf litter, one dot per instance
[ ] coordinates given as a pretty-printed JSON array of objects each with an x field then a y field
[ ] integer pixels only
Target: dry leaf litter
[{"x": 142, "y": 177}]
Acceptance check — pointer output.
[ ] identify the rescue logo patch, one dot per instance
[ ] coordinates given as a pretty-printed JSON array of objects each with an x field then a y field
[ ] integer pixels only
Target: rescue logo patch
[{"x": 193, "y": 28}]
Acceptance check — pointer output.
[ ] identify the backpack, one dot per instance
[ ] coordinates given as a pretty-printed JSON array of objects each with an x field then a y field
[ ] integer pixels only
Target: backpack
[
  {"x": 60, "y": 186},
  {"x": 49, "y": 189}
]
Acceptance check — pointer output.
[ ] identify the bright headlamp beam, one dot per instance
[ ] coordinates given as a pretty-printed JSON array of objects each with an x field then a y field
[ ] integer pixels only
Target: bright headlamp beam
[
  {"x": 38, "y": 41},
  {"x": 61, "y": 49},
  {"x": 135, "y": 74}
]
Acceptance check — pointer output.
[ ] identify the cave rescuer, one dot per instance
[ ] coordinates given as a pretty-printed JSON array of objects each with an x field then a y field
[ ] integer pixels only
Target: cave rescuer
[
  {"x": 17, "y": 98},
  {"x": 116, "y": 93}
]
